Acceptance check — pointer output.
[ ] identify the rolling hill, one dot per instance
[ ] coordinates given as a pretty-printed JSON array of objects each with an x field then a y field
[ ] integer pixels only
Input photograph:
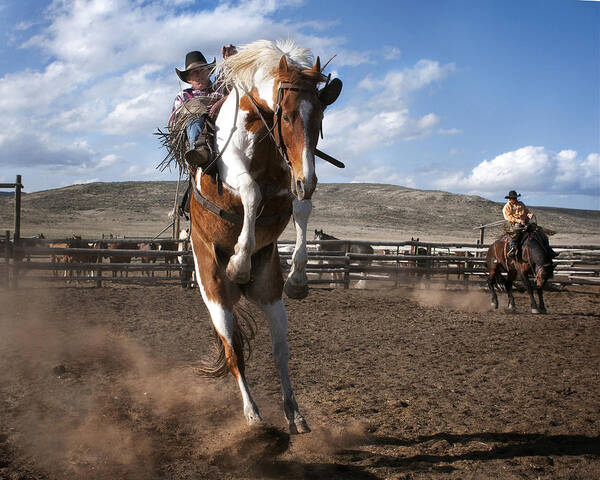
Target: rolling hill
[{"x": 349, "y": 210}]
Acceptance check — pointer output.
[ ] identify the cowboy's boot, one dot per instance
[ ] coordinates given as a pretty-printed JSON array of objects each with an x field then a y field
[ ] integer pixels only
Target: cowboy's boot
[{"x": 200, "y": 155}]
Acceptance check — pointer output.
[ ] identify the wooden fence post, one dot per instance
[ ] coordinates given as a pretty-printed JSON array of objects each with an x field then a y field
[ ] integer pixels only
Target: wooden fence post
[
  {"x": 15, "y": 264},
  {"x": 347, "y": 273},
  {"x": 7, "y": 257},
  {"x": 99, "y": 273},
  {"x": 18, "y": 188},
  {"x": 397, "y": 266}
]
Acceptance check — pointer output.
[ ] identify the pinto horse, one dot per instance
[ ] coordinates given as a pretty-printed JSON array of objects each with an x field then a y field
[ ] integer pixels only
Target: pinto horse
[
  {"x": 267, "y": 132},
  {"x": 535, "y": 259}
]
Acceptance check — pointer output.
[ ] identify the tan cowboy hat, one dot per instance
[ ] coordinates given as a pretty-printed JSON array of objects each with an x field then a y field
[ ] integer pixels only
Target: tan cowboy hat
[{"x": 194, "y": 60}]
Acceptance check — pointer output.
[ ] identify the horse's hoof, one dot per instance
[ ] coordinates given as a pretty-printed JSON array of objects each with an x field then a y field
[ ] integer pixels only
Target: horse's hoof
[
  {"x": 535, "y": 311},
  {"x": 299, "y": 426},
  {"x": 297, "y": 292},
  {"x": 495, "y": 305},
  {"x": 253, "y": 418}
]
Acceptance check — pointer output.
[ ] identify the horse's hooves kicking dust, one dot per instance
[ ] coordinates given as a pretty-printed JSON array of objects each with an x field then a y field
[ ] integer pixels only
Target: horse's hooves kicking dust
[
  {"x": 251, "y": 447},
  {"x": 296, "y": 292}
]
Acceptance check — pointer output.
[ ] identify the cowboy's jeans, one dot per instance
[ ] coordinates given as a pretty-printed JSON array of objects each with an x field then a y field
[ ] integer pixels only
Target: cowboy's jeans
[
  {"x": 516, "y": 232},
  {"x": 193, "y": 128}
]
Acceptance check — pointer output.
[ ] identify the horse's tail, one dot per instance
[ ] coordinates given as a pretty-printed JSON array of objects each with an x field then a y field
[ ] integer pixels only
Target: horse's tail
[{"x": 244, "y": 329}]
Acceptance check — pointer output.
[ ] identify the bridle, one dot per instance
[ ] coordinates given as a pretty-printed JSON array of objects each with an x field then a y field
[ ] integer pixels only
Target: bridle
[{"x": 278, "y": 138}]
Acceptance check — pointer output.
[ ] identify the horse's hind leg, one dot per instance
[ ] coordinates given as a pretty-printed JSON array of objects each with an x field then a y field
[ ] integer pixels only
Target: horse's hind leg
[
  {"x": 277, "y": 320},
  {"x": 266, "y": 292},
  {"x": 219, "y": 295}
]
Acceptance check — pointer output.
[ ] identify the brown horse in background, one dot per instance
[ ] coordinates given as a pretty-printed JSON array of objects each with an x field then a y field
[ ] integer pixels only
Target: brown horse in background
[{"x": 535, "y": 259}]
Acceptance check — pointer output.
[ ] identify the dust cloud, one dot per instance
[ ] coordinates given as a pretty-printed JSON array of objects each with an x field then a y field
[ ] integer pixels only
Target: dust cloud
[
  {"x": 465, "y": 301},
  {"x": 83, "y": 401}
]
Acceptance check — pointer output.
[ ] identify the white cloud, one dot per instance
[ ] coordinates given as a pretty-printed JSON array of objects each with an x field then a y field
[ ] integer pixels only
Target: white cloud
[
  {"x": 107, "y": 161},
  {"x": 531, "y": 169},
  {"x": 450, "y": 131},
  {"x": 397, "y": 85},
  {"x": 383, "y": 118}
]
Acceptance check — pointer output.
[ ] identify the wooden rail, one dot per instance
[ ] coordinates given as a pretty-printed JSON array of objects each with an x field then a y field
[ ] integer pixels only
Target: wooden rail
[{"x": 575, "y": 265}]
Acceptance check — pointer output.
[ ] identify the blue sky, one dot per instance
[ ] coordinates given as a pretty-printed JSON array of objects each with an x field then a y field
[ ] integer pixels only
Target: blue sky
[{"x": 476, "y": 97}]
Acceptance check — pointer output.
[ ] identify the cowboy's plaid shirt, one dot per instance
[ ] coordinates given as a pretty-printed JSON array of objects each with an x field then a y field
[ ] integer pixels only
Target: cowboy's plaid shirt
[
  {"x": 190, "y": 93},
  {"x": 515, "y": 213}
]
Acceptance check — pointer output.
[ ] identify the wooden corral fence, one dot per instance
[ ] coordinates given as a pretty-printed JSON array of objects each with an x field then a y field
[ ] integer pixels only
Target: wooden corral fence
[
  {"x": 413, "y": 262},
  {"x": 392, "y": 264},
  {"x": 66, "y": 260}
]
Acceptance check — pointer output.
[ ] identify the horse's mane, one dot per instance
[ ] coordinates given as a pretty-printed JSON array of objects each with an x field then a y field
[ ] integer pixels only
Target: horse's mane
[{"x": 262, "y": 56}]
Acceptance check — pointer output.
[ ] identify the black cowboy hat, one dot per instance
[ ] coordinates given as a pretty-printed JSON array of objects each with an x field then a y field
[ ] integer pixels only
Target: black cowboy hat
[
  {"x": 193, "y": 60},
  {"x": 512, "y": 194}
]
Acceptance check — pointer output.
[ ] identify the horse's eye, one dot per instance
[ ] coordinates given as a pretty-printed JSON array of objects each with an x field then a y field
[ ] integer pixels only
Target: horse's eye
[{"x": 286, "y": 118}]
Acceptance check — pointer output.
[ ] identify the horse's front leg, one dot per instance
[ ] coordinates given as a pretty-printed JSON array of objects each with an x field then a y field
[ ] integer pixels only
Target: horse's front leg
[
  {"x": 239, "y": 266},
  {"x": 277, "y": 320},
  {"x": 296, "y": 285},
  {"x": 542, "y": 306},
  {"x": 493, "y": 292},
  {"x": 525, "y": 280}
]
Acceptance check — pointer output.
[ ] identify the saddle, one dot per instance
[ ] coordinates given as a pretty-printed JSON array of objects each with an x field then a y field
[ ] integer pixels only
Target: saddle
[{"x": 530, "y": 230}]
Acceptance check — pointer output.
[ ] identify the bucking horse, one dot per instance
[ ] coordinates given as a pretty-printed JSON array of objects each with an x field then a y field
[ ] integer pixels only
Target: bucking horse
[{"x": 267, "y": 133}]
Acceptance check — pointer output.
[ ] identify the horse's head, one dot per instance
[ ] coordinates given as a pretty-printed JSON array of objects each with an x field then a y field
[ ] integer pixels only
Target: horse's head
[
  {"x": 299, "y": 113},
  {"x": 539, "y": 257}
]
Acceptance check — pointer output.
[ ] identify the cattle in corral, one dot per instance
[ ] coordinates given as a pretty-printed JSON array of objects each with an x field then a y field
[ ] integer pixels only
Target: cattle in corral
[
  {"x": 416, "y": 250},
  {"x": 147, "y": 247},
  {"x": 169, "y": 246},
  {"x": 349, "y": 246},
  {"x": 120, "y": 245},
  {"x": 69, "y": 260}
]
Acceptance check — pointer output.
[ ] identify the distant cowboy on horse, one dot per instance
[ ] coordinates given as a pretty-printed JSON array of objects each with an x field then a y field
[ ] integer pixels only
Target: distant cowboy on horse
[{"x": 517, "y": 215}]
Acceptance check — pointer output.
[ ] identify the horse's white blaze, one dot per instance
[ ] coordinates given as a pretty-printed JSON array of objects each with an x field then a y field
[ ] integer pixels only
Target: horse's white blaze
[
  {"x": 308, "y": 158},
  {"x": 302, "y": 210}
]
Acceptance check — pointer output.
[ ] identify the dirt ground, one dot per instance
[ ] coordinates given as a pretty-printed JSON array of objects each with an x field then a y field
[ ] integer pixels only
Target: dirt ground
[{"x": 395, "y": 384}]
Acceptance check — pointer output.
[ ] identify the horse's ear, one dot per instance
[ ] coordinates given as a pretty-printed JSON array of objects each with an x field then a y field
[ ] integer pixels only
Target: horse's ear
[
  {"x": 283, "y": 65},
  {"x": 317, "y": 65}
]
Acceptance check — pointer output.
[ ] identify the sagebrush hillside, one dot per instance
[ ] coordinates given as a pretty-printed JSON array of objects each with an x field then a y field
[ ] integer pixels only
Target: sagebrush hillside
[{"x": 350, "y": 210}]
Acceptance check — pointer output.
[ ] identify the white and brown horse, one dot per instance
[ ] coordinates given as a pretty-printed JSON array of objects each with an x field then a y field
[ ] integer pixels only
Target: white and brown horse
[{"x": 267, "y": 167}]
